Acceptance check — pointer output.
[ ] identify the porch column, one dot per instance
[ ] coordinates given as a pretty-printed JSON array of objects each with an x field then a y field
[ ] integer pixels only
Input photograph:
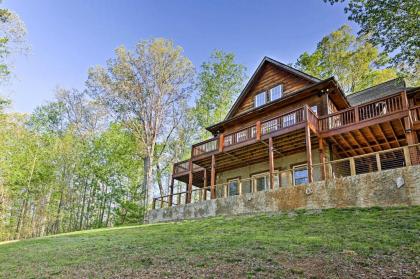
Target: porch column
[
  {"x": 271, "y": 161},
  {"x": 308, "y": 152},
  {"x": 205, "y": 185},
  {"x": 213, "y": 177},
  {"x": 322, "y": 158},
  {"x": 190, "y": 181}
]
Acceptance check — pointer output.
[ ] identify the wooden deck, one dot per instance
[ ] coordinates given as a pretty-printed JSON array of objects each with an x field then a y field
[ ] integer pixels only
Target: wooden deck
[{"x": 374, "y": 126}]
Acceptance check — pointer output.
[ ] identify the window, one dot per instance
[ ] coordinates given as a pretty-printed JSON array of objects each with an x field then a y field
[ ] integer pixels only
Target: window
[
  {"x": 261, "y": 183},
  {"x": 300, "y": 174},
  {"x": 315, "y": 109},
  {"x": 275, "y": 92},
  {"x": 233, "y": 187},
  {"x": 289, "y": 119},
  {"x": 260, "y": 99}
]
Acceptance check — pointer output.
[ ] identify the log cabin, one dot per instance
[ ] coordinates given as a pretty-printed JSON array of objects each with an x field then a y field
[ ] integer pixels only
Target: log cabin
[{"x": 289, "y": 128}]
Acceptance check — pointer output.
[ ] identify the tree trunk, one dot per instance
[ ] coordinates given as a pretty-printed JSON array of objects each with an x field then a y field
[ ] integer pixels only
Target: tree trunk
[
  {"x": 147, "y": 180},
  {"x": 159, "y": 180}
]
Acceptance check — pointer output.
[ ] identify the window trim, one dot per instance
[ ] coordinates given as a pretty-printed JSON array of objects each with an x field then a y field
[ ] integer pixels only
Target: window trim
[
  {"x": 238, "y": 180},
  {"x": 264, "y": 93},
  {"x": 281, "y": 92},
  {"x": 305, "y": 164}
]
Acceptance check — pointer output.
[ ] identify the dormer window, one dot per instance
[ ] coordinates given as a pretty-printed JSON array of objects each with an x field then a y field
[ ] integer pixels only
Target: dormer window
[
  {"x": 275, "y": 92},
  {"x": 260, "y": 99}
]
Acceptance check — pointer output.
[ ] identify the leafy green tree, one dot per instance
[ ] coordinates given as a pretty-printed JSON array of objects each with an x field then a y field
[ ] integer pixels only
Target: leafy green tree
[
  {"x": 356, "y": 63},
  {"x": 392, "y": 24},
  {"x": 12, "y": 39},
  {"x": 146, "y": 89},
  {"x": 219, "y": 83}
]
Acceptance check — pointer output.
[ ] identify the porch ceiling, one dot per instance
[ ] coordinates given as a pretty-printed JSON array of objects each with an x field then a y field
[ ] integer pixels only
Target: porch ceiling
[{"x": 369, "y": 139}]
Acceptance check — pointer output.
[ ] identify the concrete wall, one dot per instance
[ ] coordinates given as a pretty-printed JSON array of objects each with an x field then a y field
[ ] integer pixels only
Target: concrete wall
[{"x": 366, "y": 190}]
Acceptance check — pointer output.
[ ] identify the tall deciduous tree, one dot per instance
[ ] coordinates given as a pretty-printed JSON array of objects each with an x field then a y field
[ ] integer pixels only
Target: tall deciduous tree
[
  {"x": 219, "y": 83},
  {"x": 392, "y": 24},
  {"x": 145, "y": 88},
  {"x": 12, "y": 39},
  {"x": 356, "y": 63}
]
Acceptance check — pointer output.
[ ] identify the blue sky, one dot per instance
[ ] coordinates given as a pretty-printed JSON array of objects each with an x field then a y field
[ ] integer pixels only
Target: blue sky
[{"x": 67, "y": 37}]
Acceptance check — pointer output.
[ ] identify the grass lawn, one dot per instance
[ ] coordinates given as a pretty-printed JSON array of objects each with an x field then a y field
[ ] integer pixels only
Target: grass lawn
[{"x": 346, "y": 243}]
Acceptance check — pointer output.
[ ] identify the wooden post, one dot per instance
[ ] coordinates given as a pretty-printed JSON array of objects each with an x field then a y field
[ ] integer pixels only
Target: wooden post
[
  {"x": 205, "y": 185},
  {"x": 225, "y": 191},
  {"x": 324, "y": 104},
  {"x": 356, "y": 114},
  {"x": 179, "y": 199},
  {"x": 378, "y": 162},
  {"x": 258, "y": 130},
  {"x": 322, "y": 158},
  {"x": 213, "y": 177},
  {"x": 240, "y": 188},
  {"x": 308, "y": 150},
  {"x": 404, "y": 100},
  {"x": 190, "y": 181},
  {"x": 161, "y": 202},
  {"x": 271, "y": 161},
  {"x": 352, "y": 166},
  {"x": 221, "y": 142},
  {"x": 154, "y": 203},
  {"x": 407, "y": 156}
]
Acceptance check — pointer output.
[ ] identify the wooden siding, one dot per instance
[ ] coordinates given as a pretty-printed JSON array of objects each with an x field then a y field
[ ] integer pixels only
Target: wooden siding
[{"x": 269, "y": 77}]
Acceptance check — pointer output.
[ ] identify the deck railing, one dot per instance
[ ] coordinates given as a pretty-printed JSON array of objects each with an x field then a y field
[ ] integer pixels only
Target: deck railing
[
  {"x": 367, "y": 163},
  {"x": 205, "y": 147},
  {"x": 283, "y": 121},
  {"x": 240, "y": 136},
  {"x": 184, "y": 167},
  {"x": 415, "y": 113},
  {"x": 371, "y": 110}
]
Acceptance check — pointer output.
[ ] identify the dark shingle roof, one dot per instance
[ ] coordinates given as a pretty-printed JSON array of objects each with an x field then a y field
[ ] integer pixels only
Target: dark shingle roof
[{"x": 378, "y": 91}]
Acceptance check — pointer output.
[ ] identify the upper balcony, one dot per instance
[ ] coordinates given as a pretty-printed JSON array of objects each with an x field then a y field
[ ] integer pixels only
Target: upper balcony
[
  {"x": 281, "y": 124},
  {"x": 365, "y": 128}
]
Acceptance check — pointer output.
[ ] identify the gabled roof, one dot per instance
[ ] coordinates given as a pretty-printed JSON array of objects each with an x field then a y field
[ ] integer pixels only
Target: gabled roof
[
  {"x": 255, "y": 75},
  {"x": 387, "y": 88}
]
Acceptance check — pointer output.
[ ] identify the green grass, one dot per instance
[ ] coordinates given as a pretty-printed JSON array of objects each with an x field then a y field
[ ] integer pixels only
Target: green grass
[{"x": 332, "y": 243}]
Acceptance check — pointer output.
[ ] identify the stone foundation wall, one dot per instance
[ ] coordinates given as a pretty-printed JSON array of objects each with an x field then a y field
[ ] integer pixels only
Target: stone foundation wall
[{"x": 397, "y": 187}]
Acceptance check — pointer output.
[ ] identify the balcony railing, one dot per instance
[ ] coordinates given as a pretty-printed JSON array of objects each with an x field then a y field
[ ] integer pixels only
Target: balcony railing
[
  {"x": 206, "y": 147},
  {"x": 368, "y": 111},
  {"x": 283, "y": 121},
  {"x": 240, "y": 136},
  {"x": 367, "y": 163},
  {"x": 415, "y": 113},
  {"x": 184, "y": 166},
  {"x": 372, "y": 110}
]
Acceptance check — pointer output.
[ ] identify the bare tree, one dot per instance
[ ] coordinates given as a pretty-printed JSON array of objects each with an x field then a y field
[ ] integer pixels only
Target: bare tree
[{"x": 145, "y": 88}]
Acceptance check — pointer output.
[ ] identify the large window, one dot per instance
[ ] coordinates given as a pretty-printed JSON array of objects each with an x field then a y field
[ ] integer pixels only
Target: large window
[
  {"x": 260, "y": 99},
  {"x": 300, "y": 175},
  {"x": 233, "y": 187},
  {"x": 261, "y": 182},
  {"x": 275, "y": 92}
]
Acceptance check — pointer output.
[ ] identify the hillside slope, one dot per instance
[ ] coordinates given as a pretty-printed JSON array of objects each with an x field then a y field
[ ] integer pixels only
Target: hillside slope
[{"x": 332, "y": 243}]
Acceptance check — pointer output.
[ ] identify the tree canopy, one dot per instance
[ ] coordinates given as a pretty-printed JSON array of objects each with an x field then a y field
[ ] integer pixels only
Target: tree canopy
[
  {"x": 393, "y": 25},
  {"x": 219, "y": 83},
  {"x": 355, "y": 62}
]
